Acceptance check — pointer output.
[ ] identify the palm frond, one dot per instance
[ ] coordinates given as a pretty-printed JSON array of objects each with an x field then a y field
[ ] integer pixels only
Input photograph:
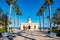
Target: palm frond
[
  {"x": 10, "y": 1},
  {"x": 49, "y": 2},
  {"x": 40, "y": 13},
  {"x": 43, "y": 8}
]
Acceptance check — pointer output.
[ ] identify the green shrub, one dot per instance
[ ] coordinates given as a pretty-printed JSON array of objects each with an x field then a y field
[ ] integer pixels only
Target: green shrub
[
  {"x": 2, "y": 30},
  {"x": 56, "y": 31}
]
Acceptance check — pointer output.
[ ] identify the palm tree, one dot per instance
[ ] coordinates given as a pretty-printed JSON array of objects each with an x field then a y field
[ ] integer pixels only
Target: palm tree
[
  {"x": 53, "y": 19},
  {"x": 56, "y": 16},
  {"x": 0, "y": 15},
  {"x": 6, "y": 22},
  {"x": 42, "y": 9},
  {"x": 3, "y": 19},
  {"x": 19, "y": 14},
  {"x": 40, "y": 13},
  {"x": 48, "y": 3},
  {"x": 15, "y": 8},
  {"x": 10, "y": 2}
]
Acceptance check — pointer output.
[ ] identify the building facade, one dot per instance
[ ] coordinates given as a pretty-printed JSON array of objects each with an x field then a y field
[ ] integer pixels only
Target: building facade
[{"x": 29, "y": 25}]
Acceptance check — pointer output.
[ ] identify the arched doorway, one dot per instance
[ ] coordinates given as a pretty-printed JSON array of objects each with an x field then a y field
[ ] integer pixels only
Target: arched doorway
[
  {"x": 29, "y": 27},
  {"x": 23, "y": 27},
  {"x": 34, "y": 26}
]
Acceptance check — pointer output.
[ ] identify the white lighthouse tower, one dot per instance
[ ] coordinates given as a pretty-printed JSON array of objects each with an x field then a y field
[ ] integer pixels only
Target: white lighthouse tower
[{"x": 29, "y": 20}]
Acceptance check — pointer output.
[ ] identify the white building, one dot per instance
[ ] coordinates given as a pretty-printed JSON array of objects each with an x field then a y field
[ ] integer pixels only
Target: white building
[{"x": 29, "y": 25}]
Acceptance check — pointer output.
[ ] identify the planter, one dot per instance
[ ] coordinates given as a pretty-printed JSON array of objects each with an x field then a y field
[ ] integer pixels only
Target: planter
[
  {"x": 0, "y": 35},
  {"x": 48, "y": 32},
  {"x": 58, "y": 34}
]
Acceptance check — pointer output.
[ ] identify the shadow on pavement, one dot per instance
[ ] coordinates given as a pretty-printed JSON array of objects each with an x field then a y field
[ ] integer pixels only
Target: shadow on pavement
[
  {"x": 10, "y": 37},
  {"x": 28, "y": 37},
  {"x": 42, "y": 35},
  {"x": 0, "y": 36},
  {"x": 19, "y": 34}
]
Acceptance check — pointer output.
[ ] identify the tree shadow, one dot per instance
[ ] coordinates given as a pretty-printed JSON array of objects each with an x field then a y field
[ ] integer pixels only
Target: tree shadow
[
  {"x": 10, "y": 37},
  {"x": 0, "y": 36},
  {"x": 33, "y": 39},
  {"x": 19, "y": 34},
  {"x": 28, "y": 37},
  {"x": 43, "y": 36}
]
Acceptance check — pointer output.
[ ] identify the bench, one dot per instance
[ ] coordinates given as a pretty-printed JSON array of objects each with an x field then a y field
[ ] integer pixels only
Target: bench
[{"x": 52, "y": 34}]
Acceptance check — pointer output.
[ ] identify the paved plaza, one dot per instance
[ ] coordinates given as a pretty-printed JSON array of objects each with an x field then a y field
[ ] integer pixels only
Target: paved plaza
[{"x": 30, "y": 35}]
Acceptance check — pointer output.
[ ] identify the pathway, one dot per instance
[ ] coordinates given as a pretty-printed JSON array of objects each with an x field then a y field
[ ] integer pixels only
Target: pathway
[{"x": 31, "y": 35}]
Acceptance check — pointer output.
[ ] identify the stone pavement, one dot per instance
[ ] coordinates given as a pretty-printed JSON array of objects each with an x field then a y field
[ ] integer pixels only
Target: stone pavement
[{"x": 31, "y": 35}]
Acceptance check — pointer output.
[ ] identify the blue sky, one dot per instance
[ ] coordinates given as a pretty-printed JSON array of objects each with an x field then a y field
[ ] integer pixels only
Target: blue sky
[{"x": 29, "y": 8}]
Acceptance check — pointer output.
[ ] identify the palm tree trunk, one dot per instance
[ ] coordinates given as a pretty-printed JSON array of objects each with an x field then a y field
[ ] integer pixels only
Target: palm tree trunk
[
  {"x": 14, "y": 20},
  {"x": 18, "y": 20},
  {"x": 49, "y": 9},
  {"x": 43, "y": 22},
  {"x": 40, "y": 23},
  {"x": 9, "y": 16}
]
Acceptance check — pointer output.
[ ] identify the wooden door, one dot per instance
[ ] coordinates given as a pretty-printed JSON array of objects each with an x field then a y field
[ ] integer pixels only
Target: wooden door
[{"x": 34, "y": 26}]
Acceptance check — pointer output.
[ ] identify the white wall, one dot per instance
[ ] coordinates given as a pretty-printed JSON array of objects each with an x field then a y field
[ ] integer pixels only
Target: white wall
[{"x": 32, "y": 26}]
